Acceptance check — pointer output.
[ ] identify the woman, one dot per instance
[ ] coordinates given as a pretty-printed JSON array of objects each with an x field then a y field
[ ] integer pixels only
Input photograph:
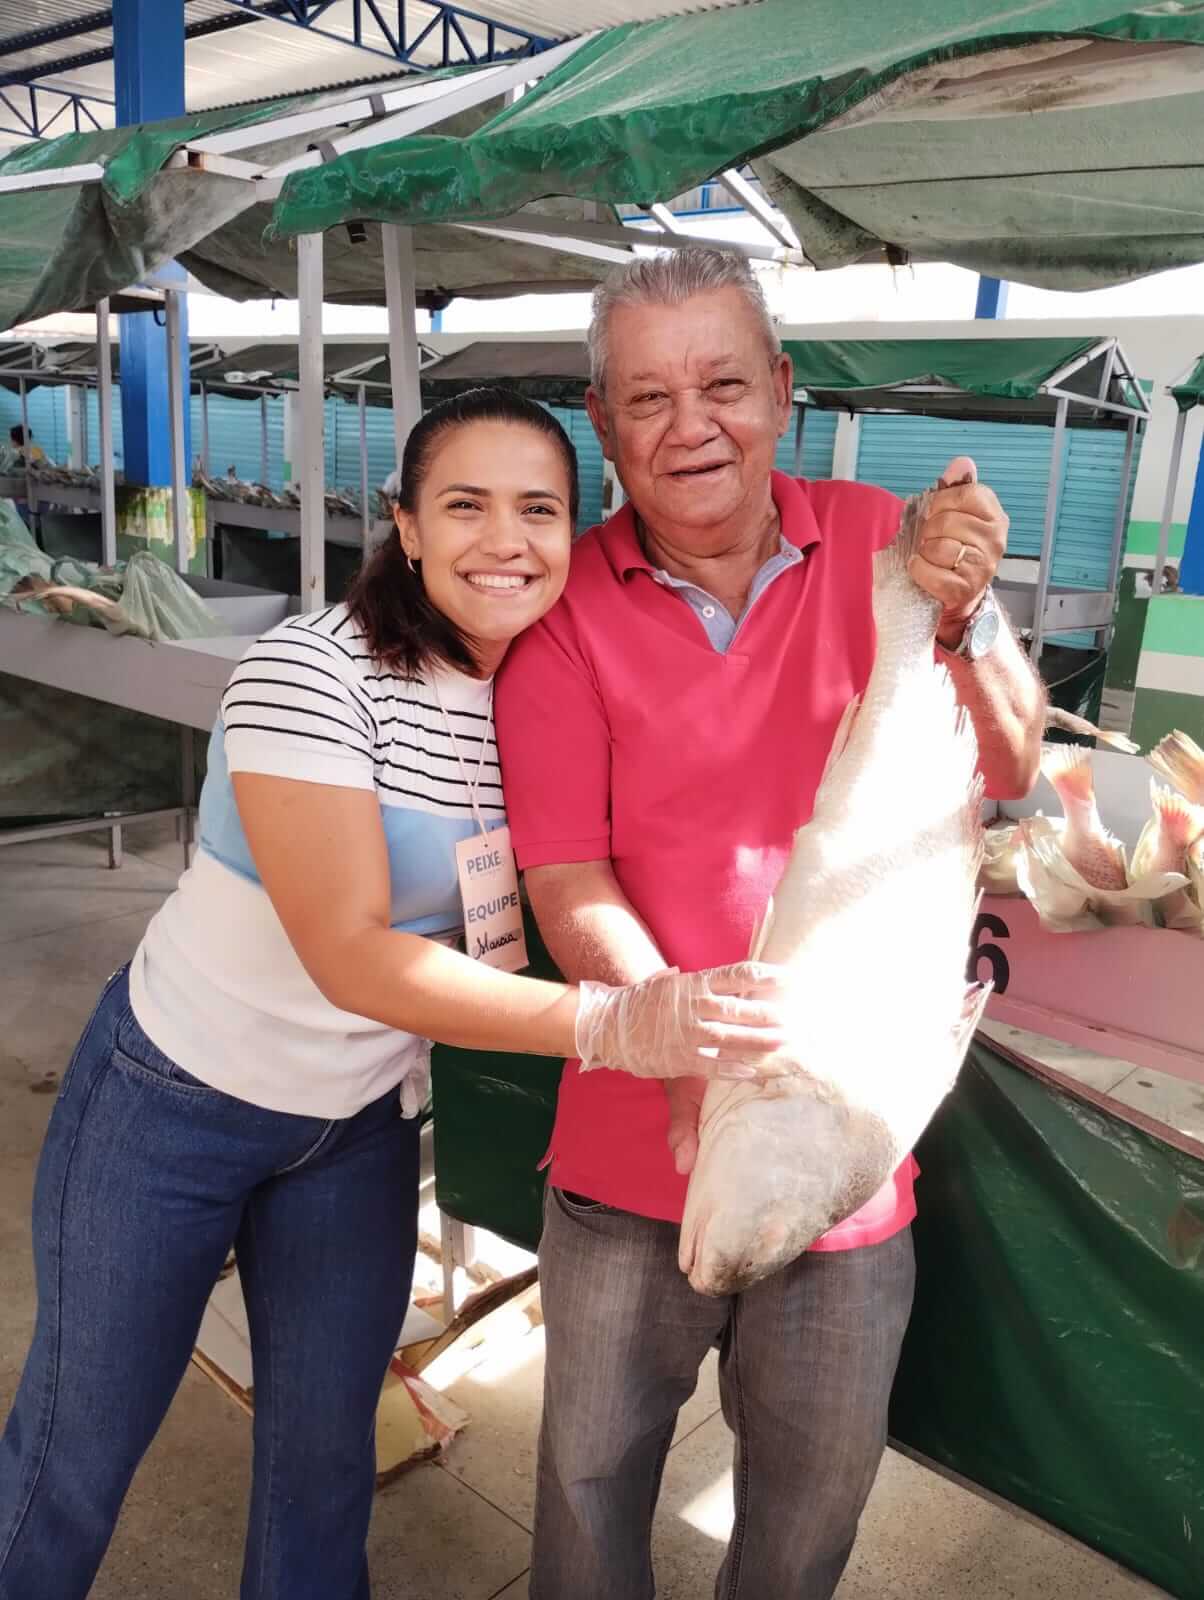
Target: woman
[{"x": 238, "y": 1083}]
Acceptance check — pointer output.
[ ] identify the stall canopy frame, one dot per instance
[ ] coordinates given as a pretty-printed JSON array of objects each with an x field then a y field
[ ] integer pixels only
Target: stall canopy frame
[
  {"x": 1060, "y": 381},
  {"x": 1187, "y": 393}
]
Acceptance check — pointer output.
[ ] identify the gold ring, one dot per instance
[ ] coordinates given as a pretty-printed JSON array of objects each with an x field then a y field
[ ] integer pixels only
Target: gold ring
[{"x": 960, "y": 555}]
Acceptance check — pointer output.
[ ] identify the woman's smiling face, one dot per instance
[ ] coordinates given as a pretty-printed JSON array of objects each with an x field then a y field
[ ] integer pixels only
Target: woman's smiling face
[{"x": 492, "y": 529}]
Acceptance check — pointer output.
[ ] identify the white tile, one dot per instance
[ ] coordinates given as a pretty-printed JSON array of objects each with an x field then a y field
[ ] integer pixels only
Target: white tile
[
  {"x": 56, "y": 884},
  {"x": 434, "y": 1539},
  {"x": 1175, "y": 1101},
  {"x": 920, "y": 1536},
  {"x": 1085, "y": 1066},
  {"x": 53, "y": 981}
]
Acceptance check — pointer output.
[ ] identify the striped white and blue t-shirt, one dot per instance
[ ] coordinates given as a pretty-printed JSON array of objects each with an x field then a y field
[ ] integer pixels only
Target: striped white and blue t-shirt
[{"x": 215, "y": 982}]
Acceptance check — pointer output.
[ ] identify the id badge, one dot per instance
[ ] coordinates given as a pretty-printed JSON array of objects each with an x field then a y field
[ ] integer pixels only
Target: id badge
[{"x": 493, "y": 913}]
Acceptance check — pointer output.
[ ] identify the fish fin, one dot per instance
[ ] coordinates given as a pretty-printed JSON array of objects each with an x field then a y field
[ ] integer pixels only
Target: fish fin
[
  {"x": 1069, "y": 764},
  {"x": 1179, "y": 759},
  {"x": 840, "y": 738},
  {"x": 973, "y": 1006},
  {"x": 1067, "y": 722},
  {"x": 761, "y": 931}
]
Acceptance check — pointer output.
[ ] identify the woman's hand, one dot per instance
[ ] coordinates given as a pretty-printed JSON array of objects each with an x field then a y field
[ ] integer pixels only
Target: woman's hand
[{"x": 722, "y": 1023}]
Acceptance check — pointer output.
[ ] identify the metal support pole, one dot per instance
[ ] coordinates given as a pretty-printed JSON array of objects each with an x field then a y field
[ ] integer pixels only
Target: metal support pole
[
  {"x": 1052, "y": 499},
  {"x": 365, "y": 513},
  {"x": 400, "y": 297},
  {"x": 799, "y": 424},
  {"x": 1168, "y": 505},
  {"x": 116, "y": 855},
  {"x": 28, "y": 442},
  {"x": 309, "y": 470},
  {"x": 264, "y": 461},
  {"x": 1119, "y": 528},
  {"x": 77, "y": 425},
  {"x": 181, "y": 501},
  {"x": 205, "y": 431},
  {"x": 104, "y": 395}
]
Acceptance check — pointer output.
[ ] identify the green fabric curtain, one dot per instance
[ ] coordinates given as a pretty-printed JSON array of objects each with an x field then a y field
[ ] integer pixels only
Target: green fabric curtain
[
  {"x": 1190, "y": 392},
  {"x": 1054, "y": 1353},
  {"x": 866, "y": 124}
]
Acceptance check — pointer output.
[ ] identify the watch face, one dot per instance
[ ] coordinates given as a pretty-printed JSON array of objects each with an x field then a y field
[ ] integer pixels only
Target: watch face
[{"x": 983, "y": 633}]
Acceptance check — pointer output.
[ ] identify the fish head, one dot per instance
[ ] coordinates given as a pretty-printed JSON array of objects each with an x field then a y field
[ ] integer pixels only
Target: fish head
[{"x": 828, "y": 1160}]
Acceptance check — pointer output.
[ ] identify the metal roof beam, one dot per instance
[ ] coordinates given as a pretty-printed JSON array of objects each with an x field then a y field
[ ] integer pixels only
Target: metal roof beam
[{"x": 502, "y": 42}]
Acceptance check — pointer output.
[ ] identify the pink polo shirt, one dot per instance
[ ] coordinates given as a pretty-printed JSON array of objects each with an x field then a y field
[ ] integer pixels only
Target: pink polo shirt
[{"x": 624, "y": 734}]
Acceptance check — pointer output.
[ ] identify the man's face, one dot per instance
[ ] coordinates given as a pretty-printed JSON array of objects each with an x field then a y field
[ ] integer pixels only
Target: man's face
[{"x": 692, "y": 412}]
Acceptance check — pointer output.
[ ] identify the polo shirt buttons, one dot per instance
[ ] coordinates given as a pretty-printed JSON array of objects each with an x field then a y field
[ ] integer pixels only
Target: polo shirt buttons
[{"x": 708, "y": 612}]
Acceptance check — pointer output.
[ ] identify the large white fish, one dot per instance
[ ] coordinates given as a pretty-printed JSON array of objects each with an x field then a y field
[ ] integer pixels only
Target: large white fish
[{"x": 873, "y": 918}]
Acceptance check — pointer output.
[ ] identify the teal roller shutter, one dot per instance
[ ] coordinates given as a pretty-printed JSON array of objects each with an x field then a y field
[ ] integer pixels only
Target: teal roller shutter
[
  {"x": 819, "y": 441},
  {"x": 906, "y": 454},
  {"x": 236, "y": 437},
  {"x": 47, "y": 419},
  {"x": 580, "y": 430},
  {"x": 382, "y": 456}
]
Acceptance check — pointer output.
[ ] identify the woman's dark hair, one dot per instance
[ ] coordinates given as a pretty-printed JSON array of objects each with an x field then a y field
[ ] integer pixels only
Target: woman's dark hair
[{"x": 404, "y": 629}]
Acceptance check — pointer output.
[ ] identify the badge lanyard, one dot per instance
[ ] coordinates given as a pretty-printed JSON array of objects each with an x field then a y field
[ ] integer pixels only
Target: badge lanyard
[
  {"x": 493, "y": 915},
  {"x": 472, "y": 785}
]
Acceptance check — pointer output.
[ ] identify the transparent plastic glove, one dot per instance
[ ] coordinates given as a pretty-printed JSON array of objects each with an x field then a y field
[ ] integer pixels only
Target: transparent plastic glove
[{"x": 722, "y": 1023}]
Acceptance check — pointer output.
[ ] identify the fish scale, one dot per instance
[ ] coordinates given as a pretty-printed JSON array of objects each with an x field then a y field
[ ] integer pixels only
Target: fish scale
[{"x": 872, "y": 919}]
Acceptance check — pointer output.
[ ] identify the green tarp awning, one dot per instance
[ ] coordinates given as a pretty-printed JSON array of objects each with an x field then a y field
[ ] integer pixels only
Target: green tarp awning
[
  {"x": 1054, "y": 143},
  {"x": 63, "y": 248},
  {"x": 552, "y": 370},
  {"x": 972, "y": 379},
  {"x": 1190, "y": 392}
]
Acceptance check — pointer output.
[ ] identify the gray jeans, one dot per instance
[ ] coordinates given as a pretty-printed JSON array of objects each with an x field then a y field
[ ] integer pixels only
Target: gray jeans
[{"x": 807, "y": 1360}]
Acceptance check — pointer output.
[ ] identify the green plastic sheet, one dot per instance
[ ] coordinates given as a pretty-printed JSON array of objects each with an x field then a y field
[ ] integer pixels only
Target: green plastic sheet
[
  {"x": 865, "y": 126},
  {"x": 493, "y": 1122},
  {"x": 999, "y": 368},
  {"x": 1054, "y": 1355},
  {"x": 1190, "y": 392}
]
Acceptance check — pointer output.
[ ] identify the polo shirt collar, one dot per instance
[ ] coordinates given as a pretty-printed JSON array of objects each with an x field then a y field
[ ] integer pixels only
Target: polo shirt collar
[{"x": 799, "y": 527}]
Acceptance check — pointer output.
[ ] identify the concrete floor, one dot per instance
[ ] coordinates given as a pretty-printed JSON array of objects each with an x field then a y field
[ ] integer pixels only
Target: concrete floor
[{"x": 459, "y": 1529}]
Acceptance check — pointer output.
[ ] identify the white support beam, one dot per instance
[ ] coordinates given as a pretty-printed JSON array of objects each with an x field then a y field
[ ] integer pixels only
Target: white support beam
[
  {"x": 401, "y": 299},
  {"x": 460, "y": 93},
  {"x": 309, "y": 468},
  {"x": 566, "y": 246},
  {"x": 757, "y": 206},
  {"x": 54, "y": 178},
  {"x": 357, "y": 106},
  {"x": 181, "y": 500},
  {"x": 365, "y": 512},
  {"x": 666, "y": 218},
  {"x": 104, "y": 396},
  {"x": 543, "y": 228}
]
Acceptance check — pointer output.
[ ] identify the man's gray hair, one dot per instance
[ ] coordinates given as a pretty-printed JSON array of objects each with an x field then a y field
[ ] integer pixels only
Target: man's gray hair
[{"x": 667, "y": 280}]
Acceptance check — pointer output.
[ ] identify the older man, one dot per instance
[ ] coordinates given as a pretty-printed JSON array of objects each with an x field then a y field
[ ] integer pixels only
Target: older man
[{"x": 663, "y": 732}]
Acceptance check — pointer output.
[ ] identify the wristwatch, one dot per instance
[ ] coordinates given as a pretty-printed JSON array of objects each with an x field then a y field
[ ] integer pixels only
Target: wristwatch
[{"x": 981, "y": 630}]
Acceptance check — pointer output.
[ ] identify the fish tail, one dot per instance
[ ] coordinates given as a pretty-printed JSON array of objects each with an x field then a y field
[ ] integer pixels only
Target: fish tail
[
  {"x": 1179, "y": 759},
  {"x": 1068, "y": 768},
  {"x": 1182, "y": 823}
]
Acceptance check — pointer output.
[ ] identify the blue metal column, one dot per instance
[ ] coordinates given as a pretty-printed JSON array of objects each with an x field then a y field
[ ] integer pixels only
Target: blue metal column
[
  {"x": 1191, "y": 568},
  {"x": 992, "y": 298},
  {"x": 148, "y": 76}
]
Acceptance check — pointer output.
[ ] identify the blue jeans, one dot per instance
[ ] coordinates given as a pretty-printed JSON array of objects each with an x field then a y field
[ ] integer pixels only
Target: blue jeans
[
  {"x": 146, "y": 1178},
  {"x": 805, "y": 1370}
]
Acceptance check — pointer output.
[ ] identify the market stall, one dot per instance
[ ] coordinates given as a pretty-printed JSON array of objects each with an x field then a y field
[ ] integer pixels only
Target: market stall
[{"x": 1055, "y": 391}]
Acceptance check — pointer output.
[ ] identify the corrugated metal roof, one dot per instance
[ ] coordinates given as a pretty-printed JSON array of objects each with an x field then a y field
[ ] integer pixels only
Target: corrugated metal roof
[{"x": 264, "y": 57}]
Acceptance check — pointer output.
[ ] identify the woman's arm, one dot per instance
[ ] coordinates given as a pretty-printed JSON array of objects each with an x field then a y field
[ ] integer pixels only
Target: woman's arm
[{"x": 321, "y": 855}]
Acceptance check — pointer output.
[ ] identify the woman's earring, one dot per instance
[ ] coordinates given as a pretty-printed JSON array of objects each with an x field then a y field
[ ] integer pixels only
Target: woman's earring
[{"x": 410, "y": 563}]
